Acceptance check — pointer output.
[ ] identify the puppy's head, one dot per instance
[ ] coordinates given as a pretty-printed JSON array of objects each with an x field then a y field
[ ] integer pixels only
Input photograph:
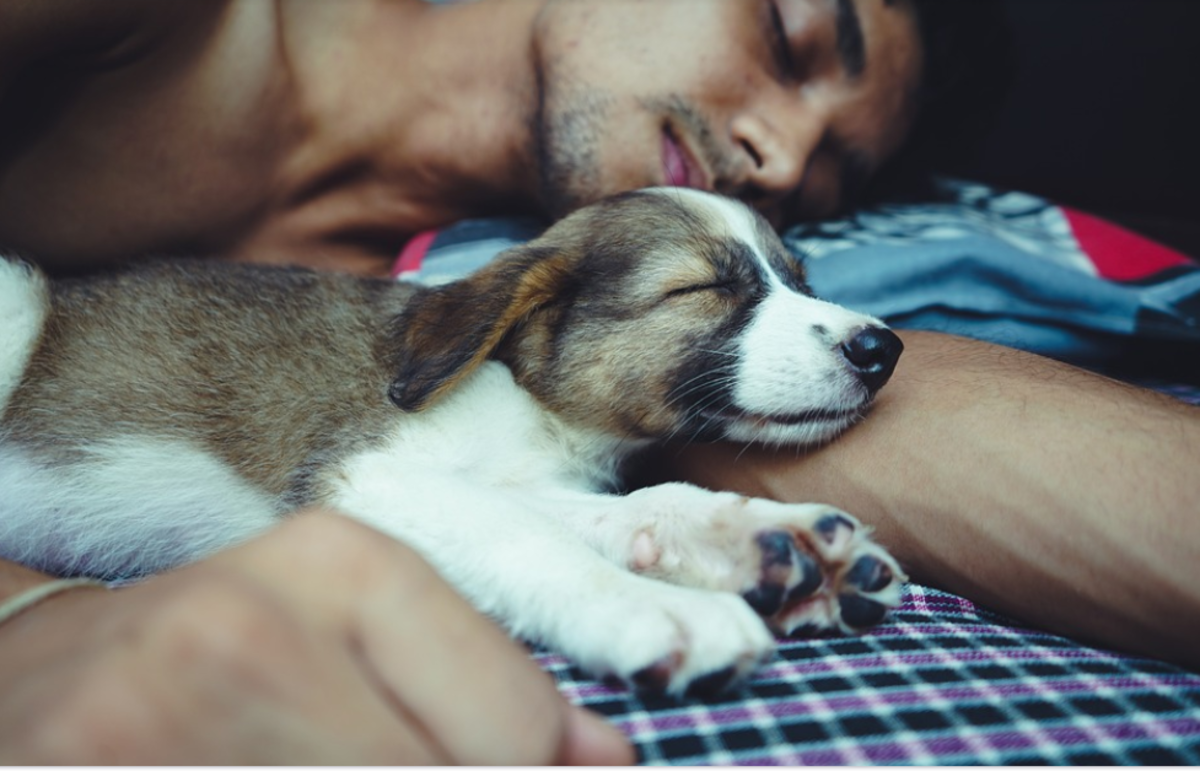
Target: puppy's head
[{"x": 664, "y": 313}]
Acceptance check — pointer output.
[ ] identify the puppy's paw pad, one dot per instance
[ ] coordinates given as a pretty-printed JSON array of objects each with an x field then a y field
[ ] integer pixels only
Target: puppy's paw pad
[
  {"x": 823, "y": 572},
  {"x": 787, "y": 574},
  {"x": 869, "y": 573},
  {"x": 870, "y": 586},
  {"x": 836, "y": 530},
  {"x": 860, "y": 612}
]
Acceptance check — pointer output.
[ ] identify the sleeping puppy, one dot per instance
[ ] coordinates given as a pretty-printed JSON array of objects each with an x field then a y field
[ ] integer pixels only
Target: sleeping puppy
[{"x": 156, "y": 414}]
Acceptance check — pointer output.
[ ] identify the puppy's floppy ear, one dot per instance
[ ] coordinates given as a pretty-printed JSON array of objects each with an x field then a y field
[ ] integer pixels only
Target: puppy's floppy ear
[{"x": 445, "y": 333}]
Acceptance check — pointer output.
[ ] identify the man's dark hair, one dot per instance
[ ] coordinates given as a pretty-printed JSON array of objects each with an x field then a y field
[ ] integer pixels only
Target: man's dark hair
[{"x": 967, "y": 48}]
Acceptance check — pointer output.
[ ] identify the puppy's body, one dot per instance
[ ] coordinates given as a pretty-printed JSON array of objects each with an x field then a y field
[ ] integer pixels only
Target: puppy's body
[{"x": 156, "y": 415}]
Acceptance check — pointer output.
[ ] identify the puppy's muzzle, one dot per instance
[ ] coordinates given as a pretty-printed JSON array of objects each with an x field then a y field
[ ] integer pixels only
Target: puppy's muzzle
[{"x": 872, "y": 354}]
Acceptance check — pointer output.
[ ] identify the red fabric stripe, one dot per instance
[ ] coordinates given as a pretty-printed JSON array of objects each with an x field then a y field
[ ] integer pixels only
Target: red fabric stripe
[
  {"x": 1117, "y": 253},
  {"x": 410, "y": 257}
]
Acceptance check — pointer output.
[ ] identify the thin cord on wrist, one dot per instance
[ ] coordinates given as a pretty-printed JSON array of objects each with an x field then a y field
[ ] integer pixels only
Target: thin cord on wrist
[{"x": 25, "y": 600}]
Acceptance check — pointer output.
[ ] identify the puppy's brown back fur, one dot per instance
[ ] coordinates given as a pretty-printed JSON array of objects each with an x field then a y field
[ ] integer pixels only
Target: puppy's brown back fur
[{"x": 199, "y": 370}]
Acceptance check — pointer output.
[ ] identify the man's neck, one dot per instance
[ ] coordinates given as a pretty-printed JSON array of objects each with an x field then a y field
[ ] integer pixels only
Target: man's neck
[{"x": 422, "y": 110}]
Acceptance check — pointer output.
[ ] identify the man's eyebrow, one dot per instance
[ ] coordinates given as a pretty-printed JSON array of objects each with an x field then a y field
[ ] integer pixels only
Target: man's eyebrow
[{"x": 850, "y": 46}]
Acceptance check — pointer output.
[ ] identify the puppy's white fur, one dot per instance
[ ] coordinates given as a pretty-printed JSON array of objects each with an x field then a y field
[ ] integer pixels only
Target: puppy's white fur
[
  {"x": 105, "y": 515},
  {"x": 23, "y": 307}
]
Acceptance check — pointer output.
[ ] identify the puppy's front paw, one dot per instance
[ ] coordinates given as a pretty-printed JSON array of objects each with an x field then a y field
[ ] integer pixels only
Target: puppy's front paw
[
  {"x": 822, "y": 572},
  {"x": 675, "y": 640},
  {"x": 802, "y": 567}
]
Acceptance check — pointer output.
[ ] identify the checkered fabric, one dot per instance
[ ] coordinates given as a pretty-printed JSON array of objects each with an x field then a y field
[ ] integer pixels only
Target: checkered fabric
[{"x": 942, "y": 682}]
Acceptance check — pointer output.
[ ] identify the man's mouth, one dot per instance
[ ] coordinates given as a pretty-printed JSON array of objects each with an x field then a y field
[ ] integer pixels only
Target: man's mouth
[{"x": 680, "y": 168}]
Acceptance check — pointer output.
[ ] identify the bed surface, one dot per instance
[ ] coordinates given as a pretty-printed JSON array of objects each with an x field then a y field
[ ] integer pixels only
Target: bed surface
[{"x": 941, "y": 682}]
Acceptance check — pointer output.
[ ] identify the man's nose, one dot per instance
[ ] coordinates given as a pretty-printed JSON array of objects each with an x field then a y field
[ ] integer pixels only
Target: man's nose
[{"x": 779, "y": 147}]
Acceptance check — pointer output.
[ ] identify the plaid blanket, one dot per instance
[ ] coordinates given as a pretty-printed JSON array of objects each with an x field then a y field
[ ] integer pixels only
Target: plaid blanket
[{"x": 942, "y": 682}]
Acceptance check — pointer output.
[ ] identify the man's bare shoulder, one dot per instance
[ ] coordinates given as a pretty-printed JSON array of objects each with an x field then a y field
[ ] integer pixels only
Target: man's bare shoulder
[
  {"x": 39, "y": 31},
  {"x": 210, "y": 127},
  {"x": 139, "y": 117}
]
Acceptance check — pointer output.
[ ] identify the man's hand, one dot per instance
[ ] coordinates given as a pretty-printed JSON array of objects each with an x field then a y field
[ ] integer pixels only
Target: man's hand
[{"x": 321, "y": 642}]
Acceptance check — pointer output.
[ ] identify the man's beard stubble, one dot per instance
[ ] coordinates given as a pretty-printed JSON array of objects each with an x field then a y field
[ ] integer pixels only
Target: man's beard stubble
[
  {"x": 567, "y": 132},
  {"x": 566, "y": 138}
]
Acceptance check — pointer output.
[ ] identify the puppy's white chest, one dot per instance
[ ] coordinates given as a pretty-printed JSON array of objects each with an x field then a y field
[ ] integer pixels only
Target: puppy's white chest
[{"x": 493, "y": 432}]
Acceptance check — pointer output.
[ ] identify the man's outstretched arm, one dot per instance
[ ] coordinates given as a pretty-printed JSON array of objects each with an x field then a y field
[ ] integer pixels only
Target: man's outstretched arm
[{"x": 1060, "y": 497}]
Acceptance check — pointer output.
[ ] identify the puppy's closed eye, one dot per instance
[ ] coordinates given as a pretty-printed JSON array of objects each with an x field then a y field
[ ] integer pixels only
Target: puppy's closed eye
[{"x": 728, "y": 286}]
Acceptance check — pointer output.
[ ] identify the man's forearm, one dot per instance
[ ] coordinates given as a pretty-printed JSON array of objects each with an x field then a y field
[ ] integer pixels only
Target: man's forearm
[{"x": 1063, "y": 498}]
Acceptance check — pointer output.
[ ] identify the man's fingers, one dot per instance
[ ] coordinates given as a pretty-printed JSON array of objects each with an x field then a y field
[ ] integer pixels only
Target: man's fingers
[
  {"x": 591, "y": 741},
  {"x": 232, "y": 654},
  {"x": 200, "y": 667},
  {"x": 475, "y": 690},
  {"x": 476, "y": 693}
]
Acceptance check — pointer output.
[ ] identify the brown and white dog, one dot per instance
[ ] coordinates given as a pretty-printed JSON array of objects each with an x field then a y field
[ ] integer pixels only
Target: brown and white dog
[{"x": 154, "y": 415}]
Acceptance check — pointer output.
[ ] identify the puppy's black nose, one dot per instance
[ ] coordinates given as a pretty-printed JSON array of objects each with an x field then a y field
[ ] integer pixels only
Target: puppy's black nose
[{"x": 872, "y": 354}]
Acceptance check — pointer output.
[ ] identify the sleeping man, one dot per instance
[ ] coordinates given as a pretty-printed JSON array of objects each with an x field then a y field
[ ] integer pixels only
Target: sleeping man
[{"x": 326, "y": 134}]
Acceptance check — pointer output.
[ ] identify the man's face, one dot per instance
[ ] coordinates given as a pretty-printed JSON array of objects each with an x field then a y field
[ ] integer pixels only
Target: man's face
[{"x": 786, "y": 104}]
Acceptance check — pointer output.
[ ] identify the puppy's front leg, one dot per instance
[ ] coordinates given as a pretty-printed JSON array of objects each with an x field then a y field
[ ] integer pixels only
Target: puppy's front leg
[
  {"x": 803, "y": 567},
  {"x": 509, "y": 553}
]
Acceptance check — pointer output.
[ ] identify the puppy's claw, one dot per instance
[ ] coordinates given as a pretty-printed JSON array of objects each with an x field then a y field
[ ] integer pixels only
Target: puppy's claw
[
  {"x": 657, "y": 676},
  {"x": 835, "y": 528},
  {"x": 711, "y": 684},
  {"x": 869, "y": 574},
  {"x": 765, "y": 599},
  {"x": 787, "y": 575},
  {"x": 810, "y": 581}
]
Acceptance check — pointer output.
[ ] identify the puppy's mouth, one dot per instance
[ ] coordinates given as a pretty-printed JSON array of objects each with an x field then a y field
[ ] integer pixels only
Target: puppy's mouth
[{"x": 803, "y": 418}]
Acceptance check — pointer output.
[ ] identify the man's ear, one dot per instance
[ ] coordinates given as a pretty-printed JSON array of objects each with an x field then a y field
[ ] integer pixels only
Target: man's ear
[{"x": 443, "y": 334}]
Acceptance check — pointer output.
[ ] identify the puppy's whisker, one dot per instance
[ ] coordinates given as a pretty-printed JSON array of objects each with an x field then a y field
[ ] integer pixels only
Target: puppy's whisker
[
  {"x": 695, "y": 407},
  {"x": 680, "y": 400},
  {"x": 747, "y": 445},
  {"x": 698, "y": 431},
  {"x": 705, "y": 401},
  {"x": 723, "y": 371},
  {"x": 713, "y": 378}
]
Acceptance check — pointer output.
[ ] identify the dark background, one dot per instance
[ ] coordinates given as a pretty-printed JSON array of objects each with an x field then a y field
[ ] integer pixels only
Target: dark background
[{"x": 1092, "y": 103}]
